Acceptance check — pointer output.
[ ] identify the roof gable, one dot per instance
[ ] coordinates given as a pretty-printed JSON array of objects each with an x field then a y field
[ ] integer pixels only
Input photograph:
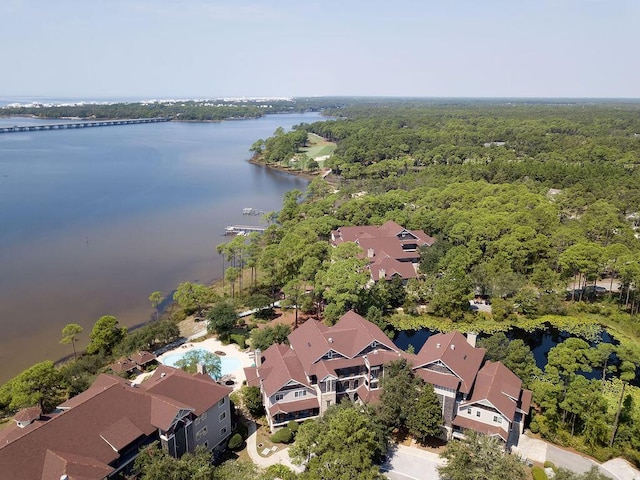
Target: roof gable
[{"x": 453, "y": 350}]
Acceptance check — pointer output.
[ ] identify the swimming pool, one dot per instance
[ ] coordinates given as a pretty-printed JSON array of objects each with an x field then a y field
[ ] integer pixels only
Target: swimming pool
[{"x": 227, "y": 364}]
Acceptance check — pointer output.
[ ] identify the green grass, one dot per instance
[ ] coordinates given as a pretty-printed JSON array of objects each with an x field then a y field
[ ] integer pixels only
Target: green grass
[{"x": 318, "y": 146}]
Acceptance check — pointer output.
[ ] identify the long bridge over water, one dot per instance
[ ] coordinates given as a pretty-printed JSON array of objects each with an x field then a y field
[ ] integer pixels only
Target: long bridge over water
[{"x": 98, "y": 123}]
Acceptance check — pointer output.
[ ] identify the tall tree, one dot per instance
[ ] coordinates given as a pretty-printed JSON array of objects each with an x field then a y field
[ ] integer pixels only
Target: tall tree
[
  {"x": 222, "y": 319},
  {"x": 38, "y": 385},
  {"x": 479, "y": 457},
  {"x": 156, "y": 299},
  {"x": 193, "y": 296},
  {"x": 70, "y": 334},
  {"x": 105, "y": 335}
]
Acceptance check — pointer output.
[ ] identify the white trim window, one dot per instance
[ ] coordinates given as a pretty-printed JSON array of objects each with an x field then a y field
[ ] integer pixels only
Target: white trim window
[
  {"x": 278, "y": 396},
  {"x": 497, "y": 419},
  {"x": 221, "y": 402},
  {"x": 223, "y": 415},
  {"x": 223, "y": 430},
  {"x": 201, "y": 433},
  {"x": 300, "y": 393}
]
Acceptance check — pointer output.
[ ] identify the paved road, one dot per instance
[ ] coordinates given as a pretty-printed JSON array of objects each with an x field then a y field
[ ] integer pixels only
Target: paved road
[{"x": 410, "y": 463}]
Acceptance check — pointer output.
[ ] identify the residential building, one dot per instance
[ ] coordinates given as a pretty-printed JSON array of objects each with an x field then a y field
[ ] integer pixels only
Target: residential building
[
  {"x": 323, "y": 365},
  {"x": 99, "y": 433},
  {"x": 392, "y": 250}
]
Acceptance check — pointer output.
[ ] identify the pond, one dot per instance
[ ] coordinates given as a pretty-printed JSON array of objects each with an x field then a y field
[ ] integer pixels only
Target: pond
[
  {"x": 539, "y": 341},
  {"x": 228, "y": 364}
]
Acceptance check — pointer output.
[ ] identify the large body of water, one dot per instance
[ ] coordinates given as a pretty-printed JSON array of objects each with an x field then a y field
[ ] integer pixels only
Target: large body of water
[{"x": 94, "y": 220}]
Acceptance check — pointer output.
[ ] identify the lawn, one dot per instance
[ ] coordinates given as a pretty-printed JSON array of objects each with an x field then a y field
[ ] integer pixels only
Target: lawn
[{"x": 318, "y": 146}]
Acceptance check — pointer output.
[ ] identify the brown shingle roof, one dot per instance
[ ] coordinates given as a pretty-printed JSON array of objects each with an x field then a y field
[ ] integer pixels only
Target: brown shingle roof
[
  {"x": 199, "y": 392},
  {"x": 453, "y": 351},
  {"x": 281, "y": 365},
  {"x": 98, "y": 422},
  {"x": 121, "y": 433},
  {"x": 76, "y": 467},
  {"x": 440, "y": 379},
  {"x": 76, "y": 430},
  {"x": 471, "y": 424},
  {"x": 28, "y": 415},
  {"x": 498, "y": 385},
  {"x": 290, "y": 407},
  {"x": 123, "y": 365},
  {"x": 143, "y": 357}
]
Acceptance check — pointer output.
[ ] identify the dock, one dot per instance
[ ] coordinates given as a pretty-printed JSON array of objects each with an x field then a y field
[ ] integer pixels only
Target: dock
[
  {"x": 243, "y": 229},
  {"x": 66, "y": 126},
  {"x": 252, "y": 211}
]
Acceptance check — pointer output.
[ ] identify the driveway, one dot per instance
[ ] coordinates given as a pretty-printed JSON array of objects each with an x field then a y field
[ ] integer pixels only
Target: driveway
[{"x": 411, "y": 463}]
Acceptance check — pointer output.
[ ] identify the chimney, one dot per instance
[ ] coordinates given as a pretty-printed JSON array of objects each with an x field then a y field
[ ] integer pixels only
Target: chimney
[
  {"x": 258, "y": 355},
  {"x": 200, "y": 368},
  {"x": 370, "y": 253},
  {"x": 382, "y": 274},
  {"x": 471, "y": 339}
]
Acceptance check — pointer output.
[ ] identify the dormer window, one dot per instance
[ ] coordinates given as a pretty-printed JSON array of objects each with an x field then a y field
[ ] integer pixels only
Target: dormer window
[
  {"x": 330, "y": 354},
  {"x": 374, "y": 344}
]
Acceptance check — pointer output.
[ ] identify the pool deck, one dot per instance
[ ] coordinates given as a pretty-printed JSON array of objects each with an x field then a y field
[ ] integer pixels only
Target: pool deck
[{"x": 212, "y": 345}]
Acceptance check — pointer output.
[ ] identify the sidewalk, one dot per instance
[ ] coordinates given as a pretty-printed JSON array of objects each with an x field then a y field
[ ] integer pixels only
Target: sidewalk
[
  {"x": 281, "y": 456},
  {"x": 541, "y": 451}
]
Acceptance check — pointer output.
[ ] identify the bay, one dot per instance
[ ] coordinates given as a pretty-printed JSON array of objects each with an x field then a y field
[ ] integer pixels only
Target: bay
[{"x": 94, "y": 220}]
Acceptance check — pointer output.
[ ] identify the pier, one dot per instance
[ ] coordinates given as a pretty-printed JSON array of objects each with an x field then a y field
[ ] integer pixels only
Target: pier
[
  {"x": 252, "y": 211},
  {"x": 242, "y": 229},
  {"x": 66, "y": 126}
]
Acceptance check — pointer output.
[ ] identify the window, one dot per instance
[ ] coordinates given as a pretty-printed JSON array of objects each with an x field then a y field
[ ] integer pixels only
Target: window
[
  {"x": 197, "y": 421},
  {"x": 203, "y": 416},
  {"x": 223, "y": 415},
  {"x": 374, "y": 344},
  {"x": 497, "y": 419},
  {"x": 300, "y": 393},
  {"x": 279, "y": 396},
  {"x": 223, "y": 430},
  {"x": 221, "y": 402},
  {"x": 469, "y": 411},
  {"x": 206, "y": 444},
  {"x": 478, "y": 413},
  {"x": 201, "y": 433}
]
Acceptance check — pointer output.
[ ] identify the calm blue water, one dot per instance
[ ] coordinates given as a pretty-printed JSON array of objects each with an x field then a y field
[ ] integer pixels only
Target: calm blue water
[
  {"x": 94, "y": 220},
  {"x": 227, "y": 364}
]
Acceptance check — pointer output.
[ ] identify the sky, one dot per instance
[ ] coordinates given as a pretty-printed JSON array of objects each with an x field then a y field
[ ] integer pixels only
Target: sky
[{"x": 213, "y": 48}]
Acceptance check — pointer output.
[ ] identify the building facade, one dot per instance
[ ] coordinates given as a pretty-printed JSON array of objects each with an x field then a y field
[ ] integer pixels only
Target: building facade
[{"x": 323, "y": 365}]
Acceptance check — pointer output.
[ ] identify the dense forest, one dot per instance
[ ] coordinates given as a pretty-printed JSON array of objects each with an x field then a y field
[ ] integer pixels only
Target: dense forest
[
  {"x": 177, "y": 110},
  {"x": 534, "y": 206}
]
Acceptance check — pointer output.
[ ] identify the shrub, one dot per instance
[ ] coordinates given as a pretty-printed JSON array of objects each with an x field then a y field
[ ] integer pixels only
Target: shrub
[
  {"x": 284, "y": 435},
  {"x": 293, "y": 426},
  {"x": 549, "y": 464},
  {"x": 538, "y": 473},
  {"x": 280, "y": 471},
  {"x": 235, "y": 442},
  {"x": 533, "y": 426},
  {"x": 239, "y": 339},
  {"x": 243, "y": 430}
]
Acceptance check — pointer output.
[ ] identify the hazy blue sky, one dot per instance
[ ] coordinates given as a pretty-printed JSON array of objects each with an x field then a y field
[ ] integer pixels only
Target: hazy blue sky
[{"x": 198, "y": 48}]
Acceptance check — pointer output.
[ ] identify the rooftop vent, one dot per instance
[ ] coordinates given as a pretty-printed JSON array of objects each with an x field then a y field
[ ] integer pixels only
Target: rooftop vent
[
  {"x": 453, "y": 347},
  {"x": 163, "y": 374},
  {"x": 330, "y": 339},
  {"x": 437, "y": 345}
]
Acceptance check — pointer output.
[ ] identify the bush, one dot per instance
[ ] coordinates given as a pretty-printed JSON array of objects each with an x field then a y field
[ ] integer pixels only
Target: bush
[
  {"x": 549, "y": 464},
  {"x": 243, "y": 430},
  {"x": 293, "y": 426},
  {"x": 533, "y": 426},
  {"x": 235, "y": 442},
  {"x": 284, "y": 435},
  {"x": 280, "y": 471},
  {"x": 538, "y": 473},
  {"x": 239, "y": 339}
]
